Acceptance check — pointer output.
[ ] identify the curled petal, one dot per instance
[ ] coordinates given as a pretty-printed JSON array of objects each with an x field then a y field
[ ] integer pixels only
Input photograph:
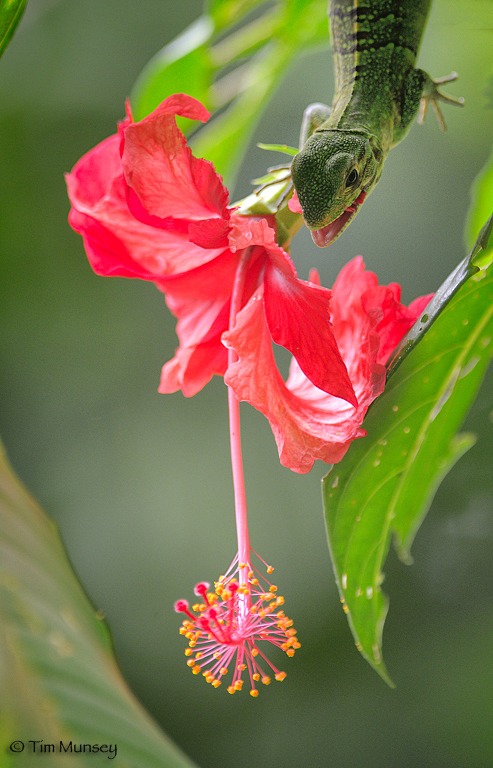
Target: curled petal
[
  {"x": 116, "y": 242},
  {"x": 161, "y": 170},
  {"x": 357, "y": 300},
  {"x": 298, "y": 316}
]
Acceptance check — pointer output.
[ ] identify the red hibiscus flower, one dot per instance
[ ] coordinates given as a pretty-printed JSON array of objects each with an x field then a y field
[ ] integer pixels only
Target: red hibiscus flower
[{"x": 147, "y": 208}]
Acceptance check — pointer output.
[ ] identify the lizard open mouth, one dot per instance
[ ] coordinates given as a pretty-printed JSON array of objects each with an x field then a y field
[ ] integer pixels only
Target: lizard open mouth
[{"x": 326, "y": 235}]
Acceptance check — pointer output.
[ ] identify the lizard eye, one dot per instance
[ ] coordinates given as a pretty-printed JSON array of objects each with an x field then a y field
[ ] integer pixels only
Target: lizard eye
[{"x": 352, "y": 178}]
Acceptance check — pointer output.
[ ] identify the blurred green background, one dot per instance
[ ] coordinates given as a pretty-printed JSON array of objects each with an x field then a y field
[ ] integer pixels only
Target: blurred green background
[{"x": 140, "y": 483}]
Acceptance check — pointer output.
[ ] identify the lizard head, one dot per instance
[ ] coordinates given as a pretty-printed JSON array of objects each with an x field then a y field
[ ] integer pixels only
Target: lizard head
[{"x": 332, "y": 174}]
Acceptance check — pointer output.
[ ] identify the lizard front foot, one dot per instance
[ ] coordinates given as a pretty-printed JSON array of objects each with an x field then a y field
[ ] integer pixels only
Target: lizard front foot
[{"x": 432, "y": 95}]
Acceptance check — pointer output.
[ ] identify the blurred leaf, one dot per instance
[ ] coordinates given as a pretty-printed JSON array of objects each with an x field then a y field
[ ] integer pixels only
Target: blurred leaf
[
  {"x": 387, "y": 480},
  {"x": 10, "y": 14},
  {"x": 482, "y": 201},
  {"x": 227, "y": 12},
  {"x": 232, "y": 64},
  {"x": 58, "y": 676},
  {"x": 182, "y": 66}
]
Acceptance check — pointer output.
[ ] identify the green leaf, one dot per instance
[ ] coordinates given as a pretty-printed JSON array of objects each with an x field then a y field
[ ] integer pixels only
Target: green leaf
[
  {"x": 10, "y": 14},
  {"x": 279, "y": 148},
  {"x": 387, "y": 480},
  {"x": 59, "y": 678}
]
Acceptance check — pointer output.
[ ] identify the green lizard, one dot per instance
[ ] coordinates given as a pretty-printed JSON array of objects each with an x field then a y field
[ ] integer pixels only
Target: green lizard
[{"x": 378, "y": 93}]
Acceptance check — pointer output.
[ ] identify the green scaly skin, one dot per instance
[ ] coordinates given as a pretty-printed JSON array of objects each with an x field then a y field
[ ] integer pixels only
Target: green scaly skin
[{"x": 378, "y": 94}]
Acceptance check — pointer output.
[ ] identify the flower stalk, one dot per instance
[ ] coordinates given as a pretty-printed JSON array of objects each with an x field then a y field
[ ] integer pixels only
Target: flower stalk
[{"x": 235, "y": 437}]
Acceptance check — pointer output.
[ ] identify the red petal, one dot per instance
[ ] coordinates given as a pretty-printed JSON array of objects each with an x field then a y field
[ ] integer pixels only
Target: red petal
[
  {"x": 159, "y": 167},
  {"x": 298, "y": 316},
  {"x": 307, "y": 423},
  {"x": 193, "y": 366},
  {"x": 200, "y": 299}
]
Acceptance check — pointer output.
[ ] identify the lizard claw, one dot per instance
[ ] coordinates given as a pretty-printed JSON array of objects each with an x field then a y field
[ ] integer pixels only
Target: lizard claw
[{"x": 432, "y": 95}]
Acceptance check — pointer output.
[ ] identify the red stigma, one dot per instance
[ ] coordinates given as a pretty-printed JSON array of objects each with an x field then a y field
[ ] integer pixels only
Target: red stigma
[{"x": 201, "y": 588}]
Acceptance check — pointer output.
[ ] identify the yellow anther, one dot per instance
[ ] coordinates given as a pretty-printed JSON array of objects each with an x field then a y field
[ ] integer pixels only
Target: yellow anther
[
  {"x": 217, "y": 655},
  {"x": 289, "y": 623},
  {"x": 196, "y": 669},
  {"x": 216, "y": 683},
  {"x": 250, "y": 574},
  {"x": 192, "y": 643},
  {"x": 272, "y": 588},
  {"x": 270, "y": 568},
  {"x": 345, "y": 608},
  {"x": 254, "y": 582},
  {"x": 199, "y": 655},
  {"x": 290, "y": 632},
  {"x": 243, "y": 590},
  {"x": 296, "y": 645},
  {"x": 226, "y": 594},
  {"x": 211, "y": 597},
  {"x": 188, "y": 624},
  {"x": 279, "y": 600},
  {"x": 197, "y": 608},
  {"x": 266, "y": 680},
  {"x": 238, "y": 685},
  {"x": 241, "y": 667},
  {"x": 231, "y": 689},
  {"x": 242, "y": 565},
  {"x": 183, "y": 631},
  {"x": 269, "y": 596},
  {"x": 254, "y": 692},
  {"x": 191, "y": 662},
  {"x": 280, "y": 676},
  {"x": 224, "y": 670},
  {"x": 290, "y": 652},
  {"x": 254, "y": 651},
  {"x": 188, "y": 651},
  {"x": 256, "y": 677},
  {"x": 190, "y": 635}
]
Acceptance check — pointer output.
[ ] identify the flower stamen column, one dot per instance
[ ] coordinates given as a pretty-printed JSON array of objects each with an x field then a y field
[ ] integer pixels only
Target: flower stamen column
[{"x": 227, "y": 625}]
